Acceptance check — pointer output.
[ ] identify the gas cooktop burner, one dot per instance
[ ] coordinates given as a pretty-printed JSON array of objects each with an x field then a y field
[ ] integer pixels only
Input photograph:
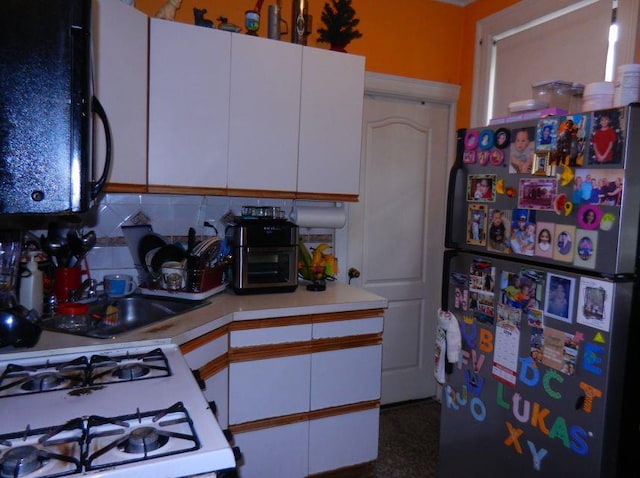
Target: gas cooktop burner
[
  {"x": 20, "y": 461},
  {"x": 82, "y": 372},
  {"x": 144, "y": 440},
  {"x": 130, "y": 371},
  {"x": 41, "y": 382}
]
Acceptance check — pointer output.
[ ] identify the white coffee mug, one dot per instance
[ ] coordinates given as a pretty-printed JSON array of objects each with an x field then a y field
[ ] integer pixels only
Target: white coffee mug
[
  {"x": 173, "y": 277},
  {"x": 119, "y": 285}
]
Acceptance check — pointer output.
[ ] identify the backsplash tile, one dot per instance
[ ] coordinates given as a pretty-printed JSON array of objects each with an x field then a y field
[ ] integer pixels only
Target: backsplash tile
[{"x": 171, "y": 216}]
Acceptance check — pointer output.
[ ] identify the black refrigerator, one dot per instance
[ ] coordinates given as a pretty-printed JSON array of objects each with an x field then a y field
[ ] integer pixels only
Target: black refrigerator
[{"x": 540, "y": 273}]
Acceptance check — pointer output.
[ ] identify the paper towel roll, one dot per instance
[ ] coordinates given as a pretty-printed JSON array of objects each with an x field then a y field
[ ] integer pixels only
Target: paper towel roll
[{"x": 331, "y": 217}]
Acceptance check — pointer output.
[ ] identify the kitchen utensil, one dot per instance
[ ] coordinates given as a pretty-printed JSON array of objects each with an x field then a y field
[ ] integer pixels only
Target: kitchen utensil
[
  {"x": 66, "y": 280},
  {"x": 169, "y": 252},
  {"x": 191, "y": 241},
  {"x": 18, "y": 327},
  {"x": 147, "y": 243},
  {"x": 119, "y": 285},
  {"x": 173, "y": 276},
  {"x": 88, "y": 241}
]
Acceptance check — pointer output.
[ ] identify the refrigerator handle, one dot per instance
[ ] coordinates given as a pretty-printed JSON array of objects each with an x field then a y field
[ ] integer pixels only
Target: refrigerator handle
[
  {"x": 451, "y": 191},
  {"x": 446, "y": 272}
]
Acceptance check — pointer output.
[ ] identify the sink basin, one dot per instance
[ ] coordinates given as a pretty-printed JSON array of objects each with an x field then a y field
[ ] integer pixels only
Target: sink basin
[{"x": 108, "y": 318}]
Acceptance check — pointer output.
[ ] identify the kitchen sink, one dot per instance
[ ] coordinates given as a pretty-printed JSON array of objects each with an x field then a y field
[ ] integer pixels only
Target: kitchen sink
[{"x": 107, "y": 318}]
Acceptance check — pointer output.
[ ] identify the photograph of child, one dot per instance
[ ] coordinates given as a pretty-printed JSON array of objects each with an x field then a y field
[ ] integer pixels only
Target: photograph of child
[
  {"x": 570, "y": 141},
  {"x": 559, "y": 297},
  {"x": 499, "y": 229},
  {"x": 563, "y": 243},
  {"x": 606, "y": 137},
  {"x": 481, "y": 187},
  {"x": 477, "y": 225},
  {"x": 521, "y": 151},
  {"x": 544, "y": 243},
  {"x": 523, "y": 231},
  {"x": 546, "y": 134},
  {"x": 586, "y": 249}
]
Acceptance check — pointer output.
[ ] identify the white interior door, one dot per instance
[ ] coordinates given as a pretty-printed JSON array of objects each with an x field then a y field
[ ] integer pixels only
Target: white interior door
[{"x": 396, "y": 231}]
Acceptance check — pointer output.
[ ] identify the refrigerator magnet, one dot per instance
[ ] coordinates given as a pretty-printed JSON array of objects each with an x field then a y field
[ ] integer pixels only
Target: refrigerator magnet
[
  {"x": 594, "y": 303},
  {"x": 589, "y": 217},
  {"x": 481, "y": 187},
  {"x": 544, "y": 239},
  {"x": 546, "y": 132},
  {"x": 559, "y": 297},
  {"x": 469, "y": 157},
  {"x": 477, "y": 225},
  {"x": 537, "y": 193},
  {"x": 485, "y": 140},
  {"x": 586, "y": 249},
  {"x": 573, "y": 131},
  {"x": 502, "y": 138},
  {"x": 471, "y": 140},
  {"x": 496, "y": 158},
  {"x": 522, "y": 149},
  {"x": 483, "y": 157},
  {"x": 564, "y": 243},
  {"x": 607, "y": 139}
]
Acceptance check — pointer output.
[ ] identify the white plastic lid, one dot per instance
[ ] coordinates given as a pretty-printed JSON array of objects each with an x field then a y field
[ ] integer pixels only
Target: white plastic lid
[
  {"x": 599, "y": 88},
  {"x": 552, "y": 82},
  {"x": 633, "y": 67}
]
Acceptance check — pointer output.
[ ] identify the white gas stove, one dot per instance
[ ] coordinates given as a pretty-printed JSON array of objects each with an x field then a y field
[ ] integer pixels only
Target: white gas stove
[{"x": 113, "y": 413}]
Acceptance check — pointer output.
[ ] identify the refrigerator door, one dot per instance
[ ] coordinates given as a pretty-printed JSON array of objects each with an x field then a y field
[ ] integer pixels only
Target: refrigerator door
[
  {"x": 538, "y": 389},
  {"x": 568, "y": 209}
]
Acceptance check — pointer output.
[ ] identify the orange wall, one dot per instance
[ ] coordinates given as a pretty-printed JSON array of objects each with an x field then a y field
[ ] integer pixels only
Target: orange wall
[{"x": 421, "y": 39}]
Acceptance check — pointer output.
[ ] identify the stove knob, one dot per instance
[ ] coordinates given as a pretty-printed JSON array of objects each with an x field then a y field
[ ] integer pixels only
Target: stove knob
[
  {"x": 237, "y": 454},
  {"x": 227, "y": 474},
  {"x": 213, "y": 407},
  {"x": 228, "y": 435}
]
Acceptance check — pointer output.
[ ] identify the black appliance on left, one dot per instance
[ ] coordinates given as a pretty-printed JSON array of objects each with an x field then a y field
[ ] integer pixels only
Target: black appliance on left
[{"x": 46, "y": 108}]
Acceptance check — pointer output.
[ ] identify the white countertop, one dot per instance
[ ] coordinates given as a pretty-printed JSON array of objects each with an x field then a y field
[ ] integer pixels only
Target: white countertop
[{"x": 224, "y": 308}]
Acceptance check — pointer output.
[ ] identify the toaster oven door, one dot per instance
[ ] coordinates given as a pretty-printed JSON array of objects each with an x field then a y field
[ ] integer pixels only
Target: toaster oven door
[{"x": 266, "y": 269}]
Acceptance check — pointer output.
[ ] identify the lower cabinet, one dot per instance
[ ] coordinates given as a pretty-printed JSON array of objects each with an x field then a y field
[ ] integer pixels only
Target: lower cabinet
[{"x": 303, "y": 391}]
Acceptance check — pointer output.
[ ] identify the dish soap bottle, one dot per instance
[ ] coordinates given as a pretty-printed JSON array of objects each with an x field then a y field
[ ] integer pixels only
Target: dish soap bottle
[{"x": 31, "y": 285}]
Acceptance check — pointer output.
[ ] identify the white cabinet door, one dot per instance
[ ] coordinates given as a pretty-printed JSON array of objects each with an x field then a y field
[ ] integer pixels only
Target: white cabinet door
[
  {"x": 268, "y": 388},
  {"x": 330, "y": 122},
  {"x": 345, "y": 376},
  {"x": 264, "y": 114},
  {"x": 188, "y": 105},
  {"x": 343, "y": 440},
  {"x": 279, "y": 452},
  {"x": 121, "y": 52}
]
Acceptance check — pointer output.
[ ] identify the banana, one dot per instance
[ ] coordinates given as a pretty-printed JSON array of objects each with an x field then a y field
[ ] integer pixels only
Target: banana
[
  {"x": 304, "y": 260},
  {"x": 318, "y": 254}
]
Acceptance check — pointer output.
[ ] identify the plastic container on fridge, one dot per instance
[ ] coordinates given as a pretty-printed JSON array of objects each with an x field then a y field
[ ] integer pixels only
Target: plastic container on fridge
[
  {"x": 597, "y": 96},
  {"x": 556, "y": 93}
]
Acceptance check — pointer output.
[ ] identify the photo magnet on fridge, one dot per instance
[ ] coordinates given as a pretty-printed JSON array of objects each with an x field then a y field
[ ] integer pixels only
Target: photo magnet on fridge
[{"x": 594, "y": 303}]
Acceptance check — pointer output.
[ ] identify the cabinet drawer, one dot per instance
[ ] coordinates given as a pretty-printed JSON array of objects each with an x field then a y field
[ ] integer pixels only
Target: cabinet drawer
[
  {"x": 268, "y": 388},
  {"x": 345, "y": 376}
]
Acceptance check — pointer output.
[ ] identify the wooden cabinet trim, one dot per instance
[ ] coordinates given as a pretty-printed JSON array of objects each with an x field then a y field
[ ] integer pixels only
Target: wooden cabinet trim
[
  {"x": 204, "y": 339},
  {"x": 217, "y": 365},
  {"x": 327, "y": 197},
  {"x": 261, "y": 352},
  {"x": 305, "y": 319},
  {"x": 187, "y": 190},
  {"x": 267, "y": 323},
  {"x": 303, "y": 417},
  {"x": 125, "y": 188},
  {"x": 348, "y": 342}
]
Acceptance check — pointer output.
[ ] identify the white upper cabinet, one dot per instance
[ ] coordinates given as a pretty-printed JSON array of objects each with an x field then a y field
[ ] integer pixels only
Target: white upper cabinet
[
  {"x": 330, "y": 122},
  {"x": 121, "y": 51},
  {"x": 264, "y": 114},
  {"x": 188, "y": 105}
]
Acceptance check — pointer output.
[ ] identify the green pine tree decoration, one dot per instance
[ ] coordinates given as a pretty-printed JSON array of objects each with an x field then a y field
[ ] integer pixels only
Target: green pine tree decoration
[{"x": 340, "y": 22}]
